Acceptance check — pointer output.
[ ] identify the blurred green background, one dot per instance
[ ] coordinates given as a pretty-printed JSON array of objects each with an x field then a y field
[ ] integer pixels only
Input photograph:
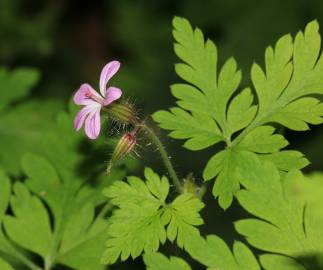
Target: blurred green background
[{"x": 70, "y": 41}]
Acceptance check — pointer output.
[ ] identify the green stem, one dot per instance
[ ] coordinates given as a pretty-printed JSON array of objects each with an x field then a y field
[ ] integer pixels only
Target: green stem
[
  {"x": 25, "y": 260},
  {"x": 13, "y": 252},
  {"x": 105, "y": 209},
  {"x": 203, "y": 190},
  {"x": 50, "y": 259},
  {"x": 257, "y": 122},
  {"x": 163, "y": 153}
]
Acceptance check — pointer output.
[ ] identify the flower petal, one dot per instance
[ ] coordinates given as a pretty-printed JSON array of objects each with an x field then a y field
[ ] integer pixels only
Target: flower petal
[
  {"x": 80, "y": 117},
  {"x": 82, "y": 96},
  {"x": 112, "y": 94},
  {"x": 93, "y": 124},
  {"x": 107, "y": 72}
]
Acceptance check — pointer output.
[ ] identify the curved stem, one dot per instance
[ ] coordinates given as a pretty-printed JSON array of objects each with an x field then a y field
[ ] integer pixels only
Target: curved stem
[
  {"x": 105, "y": 209},
  {"x": 203, "y": 190},
  {"x": 163, "y": 153},
  {"x": 10, "y": 250},
  {"x": 25, "y": 261}
]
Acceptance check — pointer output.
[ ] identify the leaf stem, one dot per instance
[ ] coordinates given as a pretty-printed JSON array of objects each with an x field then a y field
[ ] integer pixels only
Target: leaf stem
[
  {"x": 253, "y": 125},
  {"x": 25, "y": 260},
  {"x": 13, "y": 252},
  {"x": 105, "y": 209},
  {"x": 164, "y": 155},
  {"x": 50, "y": 259}
]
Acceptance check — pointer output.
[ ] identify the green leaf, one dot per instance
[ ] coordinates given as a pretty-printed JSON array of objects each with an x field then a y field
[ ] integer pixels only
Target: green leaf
[
  {"x": 133, "y": 229},
  {"x": 241, "y": 111},
  {"x": 22, "y": 228},
  {"x": 22, "y": 129},
  {"x": 83, "y": 241},
  {"x": 154, "y": 191},
  {"x": 269, "y": 261},
  {"x": 287, "y": 223},
  {"x": 158, "y": 261},
  {"x": 201, "y": 130},
  {"x": 4, "y": 265},
  {"x": 77, "y": 230},
  {"x": 5, "y": 190},
  {"x": 262, "y": 140},
  {"x": 139, "y": 223},
  {"x": 65, "y": 155},
  {"x": 5, "y": 194},
  {"x": 214, "y": 253},
  {"x": 211, "y": 109},
  {"x": 293, "y": 70},
  {"x": 75, "y": 237},
  {"x": 182, "y": 215},
  {"x": 299, "y": 113},
  {"x": 73, "y": 209},
  {"x": 308, "y": 190},
  {"x": 44, "y": 181},
  {"x": 72, "y": 200},
  {"x": 223, "y": 165},
  {"x": 199, "y": 96},
  {"x": 16, "y": 84},
  {"x": 7, "y": 248},
  {"x": 286, "y": 160}
]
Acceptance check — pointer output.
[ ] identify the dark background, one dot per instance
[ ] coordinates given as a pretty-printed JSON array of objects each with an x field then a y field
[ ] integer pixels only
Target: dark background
[{"x": 70, "y": 41}]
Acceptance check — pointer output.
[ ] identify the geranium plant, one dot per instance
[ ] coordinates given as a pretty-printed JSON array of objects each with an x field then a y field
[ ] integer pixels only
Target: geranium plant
[{"x": 57, "y": 215}]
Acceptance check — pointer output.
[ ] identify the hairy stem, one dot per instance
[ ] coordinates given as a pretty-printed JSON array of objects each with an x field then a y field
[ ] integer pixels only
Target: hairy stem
[
  {"x": 163, "y": 153},
  {"x": 203, "y": 190}
]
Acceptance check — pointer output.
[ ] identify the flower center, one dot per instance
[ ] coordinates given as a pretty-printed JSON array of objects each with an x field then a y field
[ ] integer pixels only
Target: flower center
[{"x": 97, "y": 99}]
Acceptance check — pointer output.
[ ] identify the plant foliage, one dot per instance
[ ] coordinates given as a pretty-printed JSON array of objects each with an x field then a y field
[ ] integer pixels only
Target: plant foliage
[
  {"x": 54, "y": 189},
  {"x": 51, "y": 202},
  {"x": 144, "y": 219},
  {"x": 214, "y": 253},
  {"x": 157, "y": 261},
  {"x": 212, "y": 107},
  {"x": 289, "y": 221}
]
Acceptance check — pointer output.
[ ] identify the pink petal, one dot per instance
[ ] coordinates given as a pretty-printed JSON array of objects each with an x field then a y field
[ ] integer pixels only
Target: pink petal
[
  {"x": 93, "y": 124},
  {"x": 107, "y": 72},
  {"x": 81, "y": 97},
  {"x": 80, "y": 117},
  {"x": 112, "y": 94}
]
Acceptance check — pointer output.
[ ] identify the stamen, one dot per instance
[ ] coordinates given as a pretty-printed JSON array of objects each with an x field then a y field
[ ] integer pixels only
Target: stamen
[{"x": 89, "y": 95}]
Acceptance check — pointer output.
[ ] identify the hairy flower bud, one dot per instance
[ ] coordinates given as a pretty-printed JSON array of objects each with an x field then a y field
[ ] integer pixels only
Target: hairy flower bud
[
  {"x": 124, "y": 146},
  {"x": 123, "y": 112},
  {"x": 191, "y": 187}
]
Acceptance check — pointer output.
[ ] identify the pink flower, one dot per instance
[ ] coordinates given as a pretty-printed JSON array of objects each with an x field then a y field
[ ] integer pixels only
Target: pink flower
[{"x": 93, "y": 101}]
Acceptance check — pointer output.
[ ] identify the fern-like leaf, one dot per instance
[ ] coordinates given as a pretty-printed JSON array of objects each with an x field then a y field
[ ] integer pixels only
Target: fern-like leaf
[
  {"x": 158, "y": 261},
  {"x": 144, "y": 219},
  {"x": 212, "y": 109},
  {"x": 214, "y": 253},
  {"x": 289, "y": 217}
]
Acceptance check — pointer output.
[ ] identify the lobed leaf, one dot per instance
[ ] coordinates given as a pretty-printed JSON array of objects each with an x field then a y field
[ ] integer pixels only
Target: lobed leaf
[
  {"x": 139, "y": 224},
  {"x": 214, "y": 253},
  {"x": 16, "y": 84},
  {"x": 158, "y": 261},
  {"x": 211, "y": 108},
  {"x": 22, "y": 228},
  {"x": 181, "y": 216},
  {"x": 5, "y": 265},
  {"x": 287, "y": 222}
]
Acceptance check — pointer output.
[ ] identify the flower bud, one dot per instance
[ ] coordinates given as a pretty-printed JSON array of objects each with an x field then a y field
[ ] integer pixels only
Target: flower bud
[
  {"x": 123, "y": 112},
  {"x": 190, "y": 186},
  {"x": 125, "y": 145}
]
